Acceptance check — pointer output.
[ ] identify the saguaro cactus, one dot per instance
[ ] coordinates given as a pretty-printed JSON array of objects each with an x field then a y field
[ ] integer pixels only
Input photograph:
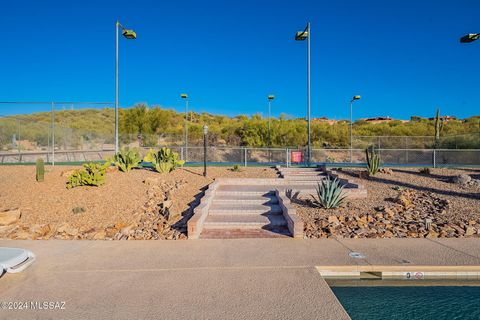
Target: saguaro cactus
[
  {"x": 40, "y": 169},
  {"x": 373, "y": 161},
  {"x": 438, "y": 127}
]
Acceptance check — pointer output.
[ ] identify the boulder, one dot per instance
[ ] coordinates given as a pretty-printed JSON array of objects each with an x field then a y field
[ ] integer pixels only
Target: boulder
[
  {"x": 470, "y": 231},
  {"x": 462, "y": 179},
  {"x": 40, "y": 230},
  {"x": 385, "y": 170},
  {"x": 23, "y": 235},
  {"x": 333, "y": 220},
  {"x": 67, "y": 230},
  {"x": 9, "y": 217},
  {"x": 99, "y": 235}
]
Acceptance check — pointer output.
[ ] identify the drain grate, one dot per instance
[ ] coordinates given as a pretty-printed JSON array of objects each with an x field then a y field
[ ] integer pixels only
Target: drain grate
[{"x": 356, "y": 255}]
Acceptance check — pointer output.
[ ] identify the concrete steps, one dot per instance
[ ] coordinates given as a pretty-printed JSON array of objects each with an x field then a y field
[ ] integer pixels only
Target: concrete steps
[
  {"x": 232, "y": 190},
  {"x": 243, "y": 233},
  {"x": 245, "y": 221},
  {"x": 305, "y": 177},
  {"x": 248, "y": 198},
  {"x": 245, "y": 208},
  {"x": 244, "y": 211},
  {"x": 302, "y": 174}
]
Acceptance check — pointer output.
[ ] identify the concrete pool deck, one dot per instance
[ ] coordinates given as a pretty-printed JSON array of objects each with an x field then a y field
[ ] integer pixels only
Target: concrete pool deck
[{"x": 207, "y": 279}]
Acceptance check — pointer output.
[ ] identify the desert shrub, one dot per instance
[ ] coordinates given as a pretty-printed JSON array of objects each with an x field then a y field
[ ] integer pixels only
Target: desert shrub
[
  {"x": 163, "y": 160},
  {"x": 425, "y": 170},
  {"x": 329, "y": 194},
  {"x": 92, "y": 174},
  {"x": 126, "y": 159}
]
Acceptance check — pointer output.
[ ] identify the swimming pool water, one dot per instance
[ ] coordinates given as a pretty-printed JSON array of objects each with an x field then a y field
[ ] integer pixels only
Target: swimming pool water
[{"x": 408, "y": 303}]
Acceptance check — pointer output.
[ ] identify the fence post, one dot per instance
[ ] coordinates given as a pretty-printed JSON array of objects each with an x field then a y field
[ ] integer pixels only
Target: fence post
[
  {"x": 287, "y": 157},
  {"x": 245, "y": 155},
  {"x": 434, "y": 159}
]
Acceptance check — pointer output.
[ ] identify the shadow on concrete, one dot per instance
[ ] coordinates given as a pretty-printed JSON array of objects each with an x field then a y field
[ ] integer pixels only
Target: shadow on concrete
[{"x": 181, "y": 225}]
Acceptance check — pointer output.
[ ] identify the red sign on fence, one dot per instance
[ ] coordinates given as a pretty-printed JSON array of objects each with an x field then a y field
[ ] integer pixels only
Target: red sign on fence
[{"x": 296, "y": 156}]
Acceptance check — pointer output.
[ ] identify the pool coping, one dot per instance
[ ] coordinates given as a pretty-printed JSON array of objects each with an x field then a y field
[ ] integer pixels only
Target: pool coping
[{"x": 400, "y": 272}]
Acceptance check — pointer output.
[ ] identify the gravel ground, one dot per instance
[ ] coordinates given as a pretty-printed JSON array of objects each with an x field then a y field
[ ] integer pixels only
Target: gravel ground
[
  {"x": 464, "y": 201},
  {"x": 50, "y": 202}
]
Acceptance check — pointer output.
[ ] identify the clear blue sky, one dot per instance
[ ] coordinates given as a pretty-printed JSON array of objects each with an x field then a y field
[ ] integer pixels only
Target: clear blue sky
[{"x": 403, "y": 57}]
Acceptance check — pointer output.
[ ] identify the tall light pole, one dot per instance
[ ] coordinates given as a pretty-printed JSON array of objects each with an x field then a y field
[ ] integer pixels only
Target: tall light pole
[
  {"x": 467, "y": 39},
  {"x": 300, "y": 36},
  {"x": 185, "y": 96},
  {"x": 270, "y": 98},
  {"x": 129, "y": 34},
  {"x": 205, "y": 133},
  {"x": 351, "y": 124}
]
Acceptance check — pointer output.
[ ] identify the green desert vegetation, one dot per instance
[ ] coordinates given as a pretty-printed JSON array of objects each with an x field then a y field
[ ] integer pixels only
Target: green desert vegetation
[
  {"x": 155, "y": 125},
  {"x": 92, "y": 174},
  {"x": 329, "y": 195},
  {"x": 126, "y": 160},
  {"x": 163, "y": 160}
]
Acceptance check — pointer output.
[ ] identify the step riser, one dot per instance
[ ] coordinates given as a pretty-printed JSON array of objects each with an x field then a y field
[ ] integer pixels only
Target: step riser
[
  {"x": 245, "y": 212},
  {"x": 302, "y": 175},
  {"x": 243, "y": 193},
  {"x": 304, "y": 178},
  {"x": 244, "y": 209},
  {"x": 244, "y": 233},
  {"x": 302, "y": 172},
  {"x": 239, "y": 202},
  {"x": 238, "y": 225},
  {"x": 299, "y": 169},
  {"x": 245, "y": 202}
]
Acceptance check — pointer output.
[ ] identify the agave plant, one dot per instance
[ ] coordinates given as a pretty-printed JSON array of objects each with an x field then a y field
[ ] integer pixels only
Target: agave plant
[
  {"x": 329, "y": 194},
  {"x": 163, "y": 160},
  {"x": 126, "y": 159}
]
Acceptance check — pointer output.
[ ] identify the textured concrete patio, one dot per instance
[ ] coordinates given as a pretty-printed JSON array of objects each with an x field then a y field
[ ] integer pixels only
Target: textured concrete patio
[{"x": 205, "y": 279}]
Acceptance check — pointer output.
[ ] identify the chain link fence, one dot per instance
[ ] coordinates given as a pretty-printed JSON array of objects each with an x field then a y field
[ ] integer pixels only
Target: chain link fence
[
  {"x": 57, "y": 131},
  {"x": 73, "y": 132},
  {"x": 459, "y": 141}
]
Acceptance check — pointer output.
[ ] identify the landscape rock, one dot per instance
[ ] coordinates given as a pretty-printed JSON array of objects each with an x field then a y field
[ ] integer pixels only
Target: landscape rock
[
  {"x": 9, "y": 217},
  {"x": 23, "y": 235},
  {"x": 65, "y": 231},
  {"x": 470, "y": 231},
  {"x": 100, "y": 235},
  {"x": 40, "y": 230},
  {"x": 413, "y": 214},
  {"x": 385, "y": 170},
  {"x": 461, "y": 179}
]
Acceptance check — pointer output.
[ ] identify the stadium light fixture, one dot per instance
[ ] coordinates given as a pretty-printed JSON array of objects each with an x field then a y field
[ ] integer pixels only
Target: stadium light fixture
[{"x": 470, "y": 37}]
